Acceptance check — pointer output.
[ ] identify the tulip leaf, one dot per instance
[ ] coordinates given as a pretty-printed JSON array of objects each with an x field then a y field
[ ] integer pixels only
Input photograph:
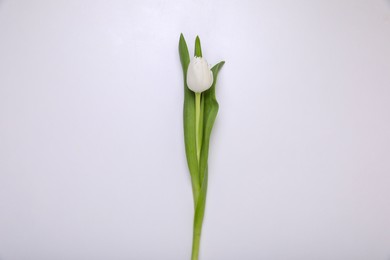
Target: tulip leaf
[
  {"x": 198, "y": 48},
  {"x": 211, "y": 107},
  {"x": 189, "y": 121}
]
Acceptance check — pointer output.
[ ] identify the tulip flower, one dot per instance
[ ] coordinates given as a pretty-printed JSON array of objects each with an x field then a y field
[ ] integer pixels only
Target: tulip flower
[
  {"x": 200, "y": 112},
  {"x": 199, "y": 75}
]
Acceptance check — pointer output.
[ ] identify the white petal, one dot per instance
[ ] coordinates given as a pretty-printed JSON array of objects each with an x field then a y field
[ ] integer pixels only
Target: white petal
[{"x": 199, "y": 75}]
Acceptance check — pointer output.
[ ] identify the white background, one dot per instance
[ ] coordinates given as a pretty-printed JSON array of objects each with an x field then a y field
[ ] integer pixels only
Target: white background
[{"x": 92, "y": 161}]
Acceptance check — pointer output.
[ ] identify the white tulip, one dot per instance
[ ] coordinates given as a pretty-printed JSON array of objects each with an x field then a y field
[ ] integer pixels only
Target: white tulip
[{"x": 199, "y": 75}]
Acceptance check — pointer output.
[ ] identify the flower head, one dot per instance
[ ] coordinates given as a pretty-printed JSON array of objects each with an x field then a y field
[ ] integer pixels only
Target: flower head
[{"x": 199, "y": 75}]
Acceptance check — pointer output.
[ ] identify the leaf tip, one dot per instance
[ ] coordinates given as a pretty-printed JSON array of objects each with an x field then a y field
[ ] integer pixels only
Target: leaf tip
[
  {"x": 182, "y": 41},
  {"x": 198, "y": 48},
  {"x": 220, "y": 64}
]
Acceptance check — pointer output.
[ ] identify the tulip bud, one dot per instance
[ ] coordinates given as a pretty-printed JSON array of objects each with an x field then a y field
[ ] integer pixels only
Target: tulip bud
[{"x": 199, "y": 75}]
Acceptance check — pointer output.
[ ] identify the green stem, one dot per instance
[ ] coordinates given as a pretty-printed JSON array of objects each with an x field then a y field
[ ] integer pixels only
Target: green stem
[
  {"x": 200, "y": 200},
  {"x": 195, "y": 245},
  {"x": 197, "y": 118},
  {"x": 198, "y": 217}
]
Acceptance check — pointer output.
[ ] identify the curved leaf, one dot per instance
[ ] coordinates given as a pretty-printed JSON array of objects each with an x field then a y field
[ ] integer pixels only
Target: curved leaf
[
  {"x": 189, "y": 121},
  {"x": 209, "y": 114}
]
